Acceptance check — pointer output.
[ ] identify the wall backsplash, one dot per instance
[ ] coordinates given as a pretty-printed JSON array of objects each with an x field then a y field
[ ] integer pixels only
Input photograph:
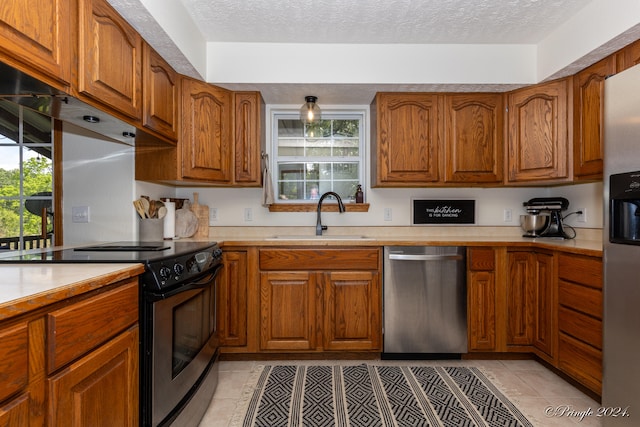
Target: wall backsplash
[{"x": 230, "y": 204}]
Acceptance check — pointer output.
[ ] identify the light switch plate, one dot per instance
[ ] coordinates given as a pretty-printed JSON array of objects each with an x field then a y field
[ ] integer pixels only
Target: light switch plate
[{"x": 80, "y": 214}]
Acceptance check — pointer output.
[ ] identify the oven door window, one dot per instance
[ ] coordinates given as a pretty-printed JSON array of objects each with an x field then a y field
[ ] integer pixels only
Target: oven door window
[{"x": 192, "y": 327}]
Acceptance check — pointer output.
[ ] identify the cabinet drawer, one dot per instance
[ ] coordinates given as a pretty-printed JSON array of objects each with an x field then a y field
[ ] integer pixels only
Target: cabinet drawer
[
  {"x": 580, "y": 298},
  {"x": 481, "y": 259},
  {"x": 579, "y": 326},
  {"x": 580, "y": 269},
  {"x": 581, "y": 361},
  {"x": 14, "y": 356},
  {"x": 319, "y": 259},
  {"x": 73, "y": 331}
]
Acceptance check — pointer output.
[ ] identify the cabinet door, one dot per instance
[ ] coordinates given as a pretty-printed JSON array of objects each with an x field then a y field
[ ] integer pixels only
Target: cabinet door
[
  {"x": 520, "y": 300},
  {"x": 352, "y": 311},
  {"x": 287, "y": 310},
  {"x": 538, "y": 136},
  {"x": 482, "y": 311},
  {"x": 248, "y": 137},
  {"x": 473, "y": 137},
  {"x": 545, "y": 319},
  {"x": 408, "y": 134},
  {"x": 588, "y": 119},
  {"x": 160, "y": 95},
  {"x": 38, "y": 34},
  {"x": 101, "y": 389},
  {"x": 232, "y": 300},
  {"x": 206, "y": 131},
  {"x": 109, "y": 58},
  {"x": 481, "y": 299}
]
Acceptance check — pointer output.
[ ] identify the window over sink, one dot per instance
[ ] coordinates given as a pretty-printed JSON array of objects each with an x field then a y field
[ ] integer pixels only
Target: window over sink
[{"x": 311, "y": 159}]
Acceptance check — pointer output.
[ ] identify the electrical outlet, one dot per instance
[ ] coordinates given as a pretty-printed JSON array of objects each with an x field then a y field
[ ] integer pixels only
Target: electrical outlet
[
  {"x": 508, "y": 215},
  {"x": 248, "y": 214},
  {"x": 213, "y": 215},
  {"x": 583, "y": 216},
  {"x": 387, "y": 214},
  {"x": 80, "y": 214}
]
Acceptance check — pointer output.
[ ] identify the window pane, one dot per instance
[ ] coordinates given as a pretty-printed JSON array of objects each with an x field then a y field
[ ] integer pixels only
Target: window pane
[
  {"x": 345, "y": 171},
  {"x": 318, "y": 130},
  {"x": 38, "y": 173},
  {"x": 291, "y": 147},
  {"x": 346, "y": 128},
  {"x": 9, "y": 218},
  {"x": 347, "y": 148},
  {"x": 312, "y": 171},
  {"x": 9, "y": 171},
  {"x": 346, "y": 189},
  {"x": 290, "y": 128},
  {"x": 318, "y": 148},
  {"x": 36, "y": 128}
]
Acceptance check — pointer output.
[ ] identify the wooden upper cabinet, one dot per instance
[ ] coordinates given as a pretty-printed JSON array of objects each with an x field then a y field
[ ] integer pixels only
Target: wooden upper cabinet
[
  {"x": 248, "y": 138},
  {"x": 588, "y": 119},
  {"x": 109, "y": 59},
  {"x": 407, "y": 134},
  {"x": 206, "y": 132},
  {"x": 538, "y": 137},
  {"x": 36, "y": 37},
  {"x": 160, "y": 94},
  {"x": 473, "y": 136}
]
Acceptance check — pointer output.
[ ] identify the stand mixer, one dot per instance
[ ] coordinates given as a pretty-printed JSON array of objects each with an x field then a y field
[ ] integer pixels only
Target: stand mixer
[{"x": 549, "y": 207}]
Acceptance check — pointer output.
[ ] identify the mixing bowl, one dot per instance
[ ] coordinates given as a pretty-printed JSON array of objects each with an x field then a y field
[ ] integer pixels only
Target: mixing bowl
[{"x": 533, "y": 224}]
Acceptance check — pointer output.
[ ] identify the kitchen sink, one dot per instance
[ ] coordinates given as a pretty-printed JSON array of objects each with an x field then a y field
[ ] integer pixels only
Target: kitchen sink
[{"x": 313, "y": 237}]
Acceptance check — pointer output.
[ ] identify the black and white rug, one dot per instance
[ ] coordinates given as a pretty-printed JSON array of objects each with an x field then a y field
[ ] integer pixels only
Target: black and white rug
[{"x": 371, "y": 396}]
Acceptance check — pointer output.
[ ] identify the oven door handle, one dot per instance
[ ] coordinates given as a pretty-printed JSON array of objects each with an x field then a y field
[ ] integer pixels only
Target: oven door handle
[{"x": 201, "y": 283}]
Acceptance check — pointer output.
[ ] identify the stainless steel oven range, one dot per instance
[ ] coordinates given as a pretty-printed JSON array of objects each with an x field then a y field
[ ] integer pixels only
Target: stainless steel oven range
[{"x": 178, "y": 333}]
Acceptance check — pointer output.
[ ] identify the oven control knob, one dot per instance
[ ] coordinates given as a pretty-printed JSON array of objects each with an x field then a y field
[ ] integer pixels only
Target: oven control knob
[
  {"x": 178, "y": 269},
  {"x": 165, "y": 272}
]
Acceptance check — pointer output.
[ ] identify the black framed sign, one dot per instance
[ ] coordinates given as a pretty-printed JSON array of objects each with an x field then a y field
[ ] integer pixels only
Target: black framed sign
[{"x": 444, "y": 212}]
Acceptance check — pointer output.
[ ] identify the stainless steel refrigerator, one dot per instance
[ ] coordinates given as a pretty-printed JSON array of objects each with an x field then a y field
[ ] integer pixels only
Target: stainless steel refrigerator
[{"x": 621, "y": 334}]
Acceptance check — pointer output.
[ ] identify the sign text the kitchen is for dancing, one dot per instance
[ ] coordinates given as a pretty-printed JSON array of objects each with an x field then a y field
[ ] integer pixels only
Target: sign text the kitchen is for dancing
[{"x": 443, "y": 212}]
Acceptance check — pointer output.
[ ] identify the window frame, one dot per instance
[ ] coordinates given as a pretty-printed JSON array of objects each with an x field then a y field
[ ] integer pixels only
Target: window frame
[{"x": 346, "y": 112}]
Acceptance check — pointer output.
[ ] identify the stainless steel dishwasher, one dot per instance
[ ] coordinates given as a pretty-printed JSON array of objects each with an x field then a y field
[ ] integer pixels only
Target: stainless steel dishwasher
[{"x": 425, "y": 301}]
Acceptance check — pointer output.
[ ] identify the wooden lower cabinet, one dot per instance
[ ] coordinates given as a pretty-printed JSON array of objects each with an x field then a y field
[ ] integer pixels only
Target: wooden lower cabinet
[
  {"x": 74, "y": 362},
  {"x": 232, "y": 299},
  {"x": 351, "y": 310},
  {"x": 335, "y": 306},
  {"x": 99, "y": 389},
  {"x": 530, "y": 301},
  {"x": 287, "y": 310},
  {"x": 481, "y": 299},
  {"x": 580, "y": 319}
]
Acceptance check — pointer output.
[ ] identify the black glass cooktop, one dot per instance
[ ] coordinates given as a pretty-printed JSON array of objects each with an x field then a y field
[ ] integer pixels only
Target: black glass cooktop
[{"x": 112, "y": 252}]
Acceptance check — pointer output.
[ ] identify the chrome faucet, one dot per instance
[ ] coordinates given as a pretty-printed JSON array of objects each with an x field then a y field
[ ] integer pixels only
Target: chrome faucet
[{"x": 319, "y": 226}]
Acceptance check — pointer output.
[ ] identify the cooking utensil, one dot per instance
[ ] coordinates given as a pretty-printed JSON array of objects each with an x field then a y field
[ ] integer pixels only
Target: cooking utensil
[
  {"x": 145, "y": 205},
  {"x": 139, "y": 208},
  {"x": 162, "y": 212}
]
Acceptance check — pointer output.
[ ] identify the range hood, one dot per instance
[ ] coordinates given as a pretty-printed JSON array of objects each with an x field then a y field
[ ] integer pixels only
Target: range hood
[{"x": 21, "y": 88}]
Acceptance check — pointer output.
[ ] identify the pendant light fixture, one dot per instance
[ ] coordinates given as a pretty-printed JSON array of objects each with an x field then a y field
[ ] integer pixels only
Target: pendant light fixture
[{"x": 310, "y": 112}]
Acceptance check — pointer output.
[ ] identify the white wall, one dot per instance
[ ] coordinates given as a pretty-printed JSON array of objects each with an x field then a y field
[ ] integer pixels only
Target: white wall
[
  {"x": 99, "y": 174},
  {"x": 490, "y": 205}
]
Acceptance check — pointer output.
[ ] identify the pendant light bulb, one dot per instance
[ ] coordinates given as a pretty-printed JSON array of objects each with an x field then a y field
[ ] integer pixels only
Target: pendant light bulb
[{"x": 310, "y": 112}]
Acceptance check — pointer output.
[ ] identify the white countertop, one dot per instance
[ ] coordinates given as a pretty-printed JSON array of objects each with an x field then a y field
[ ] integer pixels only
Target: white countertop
[{"x": 26, "y": 287}]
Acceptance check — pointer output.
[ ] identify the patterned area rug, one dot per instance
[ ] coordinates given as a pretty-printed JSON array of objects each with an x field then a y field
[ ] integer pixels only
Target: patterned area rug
[{"x": 370, "y": 396}]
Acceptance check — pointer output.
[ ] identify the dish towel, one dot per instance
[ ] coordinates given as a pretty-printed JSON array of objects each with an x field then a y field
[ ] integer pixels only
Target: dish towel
[{"x": 267, "y": 188}]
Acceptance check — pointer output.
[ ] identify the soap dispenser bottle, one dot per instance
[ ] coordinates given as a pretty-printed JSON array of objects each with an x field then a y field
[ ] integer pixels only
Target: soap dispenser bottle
[{"x": 359, "y": 194}]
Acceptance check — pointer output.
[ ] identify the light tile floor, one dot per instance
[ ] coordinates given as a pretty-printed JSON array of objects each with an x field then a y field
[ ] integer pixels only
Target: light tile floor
[{"x": 533, "y": 388}]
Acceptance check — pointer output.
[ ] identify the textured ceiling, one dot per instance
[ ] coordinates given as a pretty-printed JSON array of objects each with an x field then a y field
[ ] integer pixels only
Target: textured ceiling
[
  {"x": 380, "y": 21},
  {"x": 362, "y": 22}
]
